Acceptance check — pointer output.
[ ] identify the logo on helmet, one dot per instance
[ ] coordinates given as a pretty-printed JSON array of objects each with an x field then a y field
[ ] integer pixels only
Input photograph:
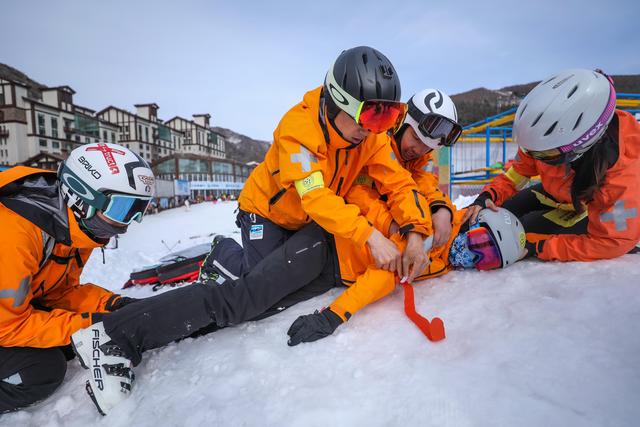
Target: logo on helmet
[
  {"x": 94, "y": 173},
  {"x": 108, "y": 156},
  {"x": 146, "y": 180},
  {"x": 337, "y": 95},
  {"x": 78, "y": 187}
]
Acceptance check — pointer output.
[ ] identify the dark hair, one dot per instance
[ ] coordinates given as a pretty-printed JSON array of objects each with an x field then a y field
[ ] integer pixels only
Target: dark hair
[{"x": 591, "y": 169}]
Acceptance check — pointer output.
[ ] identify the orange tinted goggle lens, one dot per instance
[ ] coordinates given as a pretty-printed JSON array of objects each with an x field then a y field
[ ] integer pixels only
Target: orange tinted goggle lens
[{"x": 380, "y": 116}]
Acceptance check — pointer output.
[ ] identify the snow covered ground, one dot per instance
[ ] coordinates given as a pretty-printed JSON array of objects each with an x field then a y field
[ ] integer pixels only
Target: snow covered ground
[{"x": 537, "y": 344}]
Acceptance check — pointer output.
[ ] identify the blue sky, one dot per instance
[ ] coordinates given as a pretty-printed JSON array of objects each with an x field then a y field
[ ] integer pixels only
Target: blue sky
[{"x": 246, "y": 63}]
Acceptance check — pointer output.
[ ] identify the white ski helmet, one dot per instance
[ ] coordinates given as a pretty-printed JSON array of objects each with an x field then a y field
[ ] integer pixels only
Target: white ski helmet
[
  {"x": 507, "y": 232},
  {"x": 562, "y": 117},
  {"x": 108, "y": 178},
  {"x": 433, "y": 116}
]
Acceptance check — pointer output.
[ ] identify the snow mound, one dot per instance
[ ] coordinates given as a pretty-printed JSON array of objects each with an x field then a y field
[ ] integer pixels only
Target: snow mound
[{"x": 549, "y": 344}]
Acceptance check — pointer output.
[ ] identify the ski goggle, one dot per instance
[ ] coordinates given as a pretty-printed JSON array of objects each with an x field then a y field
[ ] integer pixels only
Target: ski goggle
[
  {"x": 436, "y": 126},
  {"x": 553, "y": 156},
  {"x": 125, "y": 209},
  {"x": 482, "y": 244},
  {"x": 380, "y": 115},
  {"x": 121, "y": 208}
]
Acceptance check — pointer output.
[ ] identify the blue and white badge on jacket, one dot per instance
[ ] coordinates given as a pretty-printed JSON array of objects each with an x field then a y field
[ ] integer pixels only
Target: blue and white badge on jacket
[{"x": 256, "y": 232}]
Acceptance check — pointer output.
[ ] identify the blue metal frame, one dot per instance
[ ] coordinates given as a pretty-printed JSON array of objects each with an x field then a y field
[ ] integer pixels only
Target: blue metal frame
[{"x": 504, "y": 132}]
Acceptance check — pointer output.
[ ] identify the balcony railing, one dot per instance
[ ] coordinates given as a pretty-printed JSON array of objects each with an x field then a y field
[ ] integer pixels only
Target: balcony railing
[{"x": 68, "y": 129}]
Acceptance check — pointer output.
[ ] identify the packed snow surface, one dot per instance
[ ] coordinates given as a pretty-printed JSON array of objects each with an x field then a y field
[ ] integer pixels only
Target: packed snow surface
[{"x": 551, "y": 344}]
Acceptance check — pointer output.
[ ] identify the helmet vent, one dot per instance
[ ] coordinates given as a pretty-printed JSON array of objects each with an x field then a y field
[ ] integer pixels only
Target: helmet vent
[
  {"x": 535, "y": 122},
  {"x": 548, "y": 80},
  {"x": 575, "y": 88},
  {"x": 523, "y": 108},
  {"x": 551, "y": 128},
  {"x": 499, "y": 235},
  {"x": 577, "y": 121}
]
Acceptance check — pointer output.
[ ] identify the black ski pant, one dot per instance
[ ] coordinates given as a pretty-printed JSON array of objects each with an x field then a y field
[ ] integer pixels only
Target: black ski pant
[
  {"x": 540, "y": 218},
  {"x": 304, "y": 265},
  {"x": 260, "y": 237},
  {"x": 29, "y": 375}
]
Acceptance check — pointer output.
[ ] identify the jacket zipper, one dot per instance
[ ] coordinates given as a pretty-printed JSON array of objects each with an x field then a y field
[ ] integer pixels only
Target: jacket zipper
[
  {"x": 335, "y": 172},
  {"x": 339, "y": 186},
  {"x": 415, "y": 196}
]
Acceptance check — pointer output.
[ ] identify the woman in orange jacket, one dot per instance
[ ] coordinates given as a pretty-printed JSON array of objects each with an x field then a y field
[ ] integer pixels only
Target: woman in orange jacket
[
  {"x": 44, "y": 247},
  {"x": 588, "y": 157},
  {"x": 319, "y": 148}
]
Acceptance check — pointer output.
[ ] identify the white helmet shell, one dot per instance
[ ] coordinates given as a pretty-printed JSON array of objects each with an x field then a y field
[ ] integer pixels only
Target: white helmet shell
[
  {"x": 431, "y": 101},
  {"x": 507, "y": 232},
  {"x": 103, "y": 168},
  {"x": 570, "y": 109}
]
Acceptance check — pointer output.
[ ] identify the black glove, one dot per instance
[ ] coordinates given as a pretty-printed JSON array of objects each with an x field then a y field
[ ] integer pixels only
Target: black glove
[
  {"x": 533, "y": 249},
  {"x": 481, "y": 200},
  {"x": 312, "y": 327},
  {"x": 116, "y": 302}
]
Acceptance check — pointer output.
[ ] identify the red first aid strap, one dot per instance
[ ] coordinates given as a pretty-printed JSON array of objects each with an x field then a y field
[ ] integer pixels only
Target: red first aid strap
[{"x": 433, "y": 330}]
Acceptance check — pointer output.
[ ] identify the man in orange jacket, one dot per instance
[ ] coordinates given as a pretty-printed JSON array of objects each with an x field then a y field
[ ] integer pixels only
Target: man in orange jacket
[
  {"x": 319, "y": 148},
  {"x": 430, "y": 124},
  {"x": 587, "y": 155},
  {"x": 48, "y": 236}
]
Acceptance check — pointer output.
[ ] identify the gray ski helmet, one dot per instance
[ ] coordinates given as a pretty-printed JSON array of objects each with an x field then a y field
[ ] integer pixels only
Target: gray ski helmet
[
  {"x": 360, "y": 74},
  {"x": 569, "y": 111},
  {"x": 507, "y": 232}
]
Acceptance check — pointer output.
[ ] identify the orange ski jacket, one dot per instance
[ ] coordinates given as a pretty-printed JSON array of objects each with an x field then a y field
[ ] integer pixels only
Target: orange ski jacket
[
  {"x": 310, "y": 167},
  {"x": 613, "y": 221},
  {"x": 367, "y": 283},
  {"x": 373, "y": 205},
  {"x": 42, "y": 253}
]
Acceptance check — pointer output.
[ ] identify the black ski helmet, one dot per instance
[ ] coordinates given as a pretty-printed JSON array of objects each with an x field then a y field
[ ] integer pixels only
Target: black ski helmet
[{"x": 359, "y": 74}]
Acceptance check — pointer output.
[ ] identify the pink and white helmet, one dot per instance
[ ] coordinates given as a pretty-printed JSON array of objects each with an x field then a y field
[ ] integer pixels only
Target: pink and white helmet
[{"x": 108, "y": 178}]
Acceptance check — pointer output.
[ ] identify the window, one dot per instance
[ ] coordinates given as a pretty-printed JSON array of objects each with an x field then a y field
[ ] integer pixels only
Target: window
[
  {"x": 77, "y": 138},
  {"x": 87, "y": 140},
  {"x": 41, "y": 128},
  {"x": 1, "y": 98},
  {"x": 43, "y": 143},
  {"x": 139, "y": 132},
  {"x": 146, "y": 134},
  {"x": 113, "y": 137},
  {"x": 55, "y": 144},
  {"x": 54, "y": 127},
  {"x": 104, "y": 136}
]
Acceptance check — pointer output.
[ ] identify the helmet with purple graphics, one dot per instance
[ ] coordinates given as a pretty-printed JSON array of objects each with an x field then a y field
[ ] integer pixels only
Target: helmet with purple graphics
[
  {"x": 106, "y": 178},
  {"x": 565, "y": 115}
]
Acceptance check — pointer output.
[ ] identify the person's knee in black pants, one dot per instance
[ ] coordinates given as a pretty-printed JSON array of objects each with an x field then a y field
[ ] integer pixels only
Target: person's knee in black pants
[{"x": 29, "y": 375}]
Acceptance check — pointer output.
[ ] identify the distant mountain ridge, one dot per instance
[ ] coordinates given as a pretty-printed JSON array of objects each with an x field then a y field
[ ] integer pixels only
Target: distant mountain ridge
[
  {"x": 473, "y": 105},
  {"x": 242, "y": 148},
  {"x": 477, "y": 104}
]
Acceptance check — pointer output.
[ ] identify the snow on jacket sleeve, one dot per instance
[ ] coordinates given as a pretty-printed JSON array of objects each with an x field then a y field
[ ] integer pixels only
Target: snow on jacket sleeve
[
  {"x": 300, "y": 166},
  {"x": 21, "y": 325},
  {"x": 407, "y": 205},
  {"x": 515, "y": 179}
]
